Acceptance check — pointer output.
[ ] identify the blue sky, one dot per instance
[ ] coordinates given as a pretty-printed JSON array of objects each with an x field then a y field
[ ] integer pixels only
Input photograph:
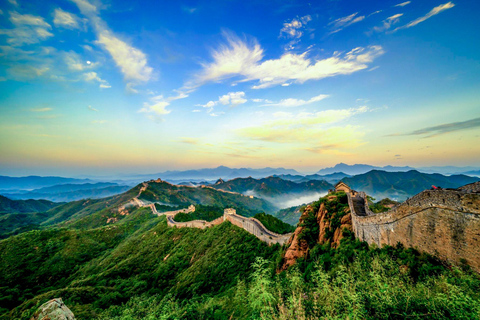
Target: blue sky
[{"x": 90, "y": 87}]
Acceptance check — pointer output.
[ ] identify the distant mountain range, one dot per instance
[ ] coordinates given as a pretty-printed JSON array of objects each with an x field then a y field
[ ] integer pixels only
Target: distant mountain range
[
  {"x": 402, "y": 185},
  {"x": 331, "y": 178},
  {"x": 35, "y": 182},
  {"x": 359, "y": 169},
  {"x": 69, "y": 192}
]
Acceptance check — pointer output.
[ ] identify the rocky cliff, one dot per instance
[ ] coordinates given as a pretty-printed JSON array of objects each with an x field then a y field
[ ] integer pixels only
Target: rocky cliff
[{"x": 324, "y": 221}]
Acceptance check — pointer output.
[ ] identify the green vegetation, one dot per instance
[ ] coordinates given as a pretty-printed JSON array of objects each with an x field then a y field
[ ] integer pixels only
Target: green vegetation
[
  {"x": 336, "y": 208},
  {"x": 289, "y": 215},
  {"x": 93, "y": 269},
  {"x": 352, "y": 282},
  {"x": 139, "y": 268},
  {"x": 274, "y": 224},
  {"x": 208, "y": 213},
  {"x": 24, "y": 206}
]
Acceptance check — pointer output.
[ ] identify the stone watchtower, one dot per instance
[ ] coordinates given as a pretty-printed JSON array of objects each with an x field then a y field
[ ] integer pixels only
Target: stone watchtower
[{"x": 229, "y": 211}]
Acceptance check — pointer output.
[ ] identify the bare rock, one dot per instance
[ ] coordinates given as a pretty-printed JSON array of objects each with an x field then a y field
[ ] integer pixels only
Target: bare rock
[{"x": 54, "y": 309}]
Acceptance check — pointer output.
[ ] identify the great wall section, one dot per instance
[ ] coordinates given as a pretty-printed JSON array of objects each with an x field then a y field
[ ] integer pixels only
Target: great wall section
[
  {"x": 251, "y": 225},
  {"x": 444, "y": 223}
]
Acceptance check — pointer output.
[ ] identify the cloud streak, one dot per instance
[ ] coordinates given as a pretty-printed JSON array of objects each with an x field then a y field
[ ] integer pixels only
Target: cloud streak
[
  {"x": 342, "y": 23},
  {"x": 65, "y": 19},
  {"x": 432, "y": 13},
  {"x": 292, "y": 102},
  {"x": 28, "y": 29},
  {"x": 444, "y": 128}
]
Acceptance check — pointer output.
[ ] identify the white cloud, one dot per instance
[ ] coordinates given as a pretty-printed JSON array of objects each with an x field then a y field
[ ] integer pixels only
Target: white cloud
[
  {"x": 92, "y": 108},
  {"x": 291, "y": 102},
  {"x": 157, "y": 106},
  {"x": 432, "y": 13},
  {"x": 403, "y": 4},
  {"x": 99, "y": 121},
  {"x": 29, "y": 29},
  {"x": 232, "y": 98},
  {"x": 239, "y": 59},
  {"x": 342, "y": 23},
  {"x": 131, "y": 61},
  {"x": 13, "y": 2},
  {"x": 387, "y": 23},
  {"x": 293, "y": 29},
  {"x": 93, "y": 76},
  {"x": 65, "y": 19}
]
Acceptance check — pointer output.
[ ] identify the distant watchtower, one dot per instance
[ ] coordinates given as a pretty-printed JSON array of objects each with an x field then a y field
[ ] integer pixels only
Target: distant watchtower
[{"x": 341, "y": 186}]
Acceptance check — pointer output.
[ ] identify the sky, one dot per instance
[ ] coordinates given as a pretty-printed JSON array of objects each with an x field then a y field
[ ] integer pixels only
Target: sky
[{"x": 108, "y": 87}]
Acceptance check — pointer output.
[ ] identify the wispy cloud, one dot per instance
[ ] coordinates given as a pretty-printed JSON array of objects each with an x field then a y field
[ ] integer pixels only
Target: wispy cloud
[
  {"x": 65, "y": 19},
  {"x": 432, "y": 13},
  {"x": 387, "y": 23},
  {"x": 239, "y": 58},
  {"x": 93, "y": 76},
  {"x": 92, "y": 109},
  {"x": 342, "y": 23},
  {"x": 28, "y": 29},
  {"x": 41, "y": 109},
  {"x": 99, "y": 121},
  {"x": 403, "y": 4},
  {"x": 292, "y": 102},
  {"x": 443, "y": 129},
  {"x": 131, "y": 61},
  {"x": 293, "y": 29}
]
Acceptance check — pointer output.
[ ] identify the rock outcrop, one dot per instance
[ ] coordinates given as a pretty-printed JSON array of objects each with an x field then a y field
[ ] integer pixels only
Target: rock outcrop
[
  {"x": 54, "y": 309},
  {"x": 297, "y": 248},
  {"x": 329, "y": 231}
]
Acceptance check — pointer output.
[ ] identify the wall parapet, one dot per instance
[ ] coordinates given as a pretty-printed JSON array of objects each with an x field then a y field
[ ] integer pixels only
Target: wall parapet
[{"x": 445, "y": 223}]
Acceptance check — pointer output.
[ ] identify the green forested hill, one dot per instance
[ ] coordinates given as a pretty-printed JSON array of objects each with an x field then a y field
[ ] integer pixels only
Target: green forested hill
[
  {"x": 272, "y": 186},
  {"x": 166, "y": 193},
  {"x": 97, "y": 268},
  {"x": 24, "y": 206}
]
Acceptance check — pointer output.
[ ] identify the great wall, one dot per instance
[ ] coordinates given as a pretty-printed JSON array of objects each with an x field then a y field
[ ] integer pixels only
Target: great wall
[
  {"x": 251, "y": 225},
  {"x": 444, "y": 223}
]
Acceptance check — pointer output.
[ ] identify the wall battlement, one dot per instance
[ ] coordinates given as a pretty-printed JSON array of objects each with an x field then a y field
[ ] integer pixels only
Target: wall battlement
[{"x": 445, "y": 223}]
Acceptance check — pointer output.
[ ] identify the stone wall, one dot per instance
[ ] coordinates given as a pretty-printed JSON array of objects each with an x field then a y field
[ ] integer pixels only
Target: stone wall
[
  {"x": 251, "y": 225},
  {"x": 445, "y": 223}
]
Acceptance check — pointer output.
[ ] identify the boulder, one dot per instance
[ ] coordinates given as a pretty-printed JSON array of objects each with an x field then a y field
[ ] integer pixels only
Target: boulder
[{"x": 54, "y": 309}]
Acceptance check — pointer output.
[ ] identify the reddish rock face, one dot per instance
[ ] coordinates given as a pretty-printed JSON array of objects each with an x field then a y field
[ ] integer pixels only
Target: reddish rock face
[
  {"x": 296, "y": 248},
  {"x": 299, "y": 248}
]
